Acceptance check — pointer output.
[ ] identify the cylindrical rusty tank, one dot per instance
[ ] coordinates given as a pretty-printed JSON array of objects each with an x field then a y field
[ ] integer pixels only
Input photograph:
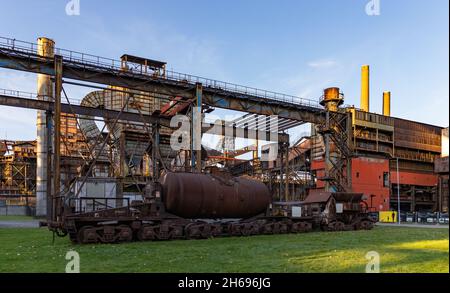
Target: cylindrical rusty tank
[
  {"x": 201, "y": 196},
  {"x": 332, "y": 99}
]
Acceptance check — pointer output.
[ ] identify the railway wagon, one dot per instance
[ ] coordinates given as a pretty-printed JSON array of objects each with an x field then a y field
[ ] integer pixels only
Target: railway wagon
[{"x": 197, "y": 206}]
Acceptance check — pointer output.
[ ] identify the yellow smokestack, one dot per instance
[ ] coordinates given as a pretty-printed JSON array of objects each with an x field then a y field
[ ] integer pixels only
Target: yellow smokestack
[
  {"x": 365, "y": 88},
  {"x": 387, "y": 103}
]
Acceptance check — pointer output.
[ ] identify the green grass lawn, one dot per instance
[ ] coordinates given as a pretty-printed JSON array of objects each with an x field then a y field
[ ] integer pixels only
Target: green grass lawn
[
  {"x": 400, "y": 249},
  {"x": 16, "y": 218}
]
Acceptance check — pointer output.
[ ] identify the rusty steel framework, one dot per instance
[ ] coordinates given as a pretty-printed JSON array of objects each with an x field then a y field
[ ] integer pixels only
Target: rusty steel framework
[
  {"x": 181, "y": 93},
  {"x": 337, "y": 128},
  {"x": 17, "y": 171}
]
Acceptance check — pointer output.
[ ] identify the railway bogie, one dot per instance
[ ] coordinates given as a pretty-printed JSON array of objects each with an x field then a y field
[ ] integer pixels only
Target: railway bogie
[{"x": 137, "y": 230}]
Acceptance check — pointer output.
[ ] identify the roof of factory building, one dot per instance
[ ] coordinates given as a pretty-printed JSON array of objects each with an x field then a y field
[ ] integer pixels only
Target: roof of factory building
[{"x": 398, "y": 118}]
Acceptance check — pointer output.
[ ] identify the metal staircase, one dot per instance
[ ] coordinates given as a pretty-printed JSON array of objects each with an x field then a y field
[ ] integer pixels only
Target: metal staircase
[{"x": 336, "y": 128}]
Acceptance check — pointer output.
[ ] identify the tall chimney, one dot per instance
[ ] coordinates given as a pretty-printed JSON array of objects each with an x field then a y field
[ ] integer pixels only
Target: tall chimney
[
  {"x": 332, "y": 99},
  {"x": 365, "y": 88},
  {"x": 387, "y": 103},
  {"x": 45, "y": 92}
]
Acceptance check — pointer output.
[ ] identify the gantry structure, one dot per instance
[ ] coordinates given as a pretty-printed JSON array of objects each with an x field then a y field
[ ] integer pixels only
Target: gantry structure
[{"x": 180, "y": 93}]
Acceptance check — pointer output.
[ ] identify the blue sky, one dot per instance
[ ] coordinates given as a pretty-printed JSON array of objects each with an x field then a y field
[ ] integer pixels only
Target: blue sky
[{"x": 294, "y": 47}]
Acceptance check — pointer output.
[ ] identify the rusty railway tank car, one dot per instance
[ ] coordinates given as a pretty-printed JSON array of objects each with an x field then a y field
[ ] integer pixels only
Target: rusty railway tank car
[
  {"x": 203, "y": 196},
  {"x": 187, "y": 206}
]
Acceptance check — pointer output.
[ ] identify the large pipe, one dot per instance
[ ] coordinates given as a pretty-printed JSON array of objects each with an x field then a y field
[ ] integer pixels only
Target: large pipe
[
  {"x": 365, "y": 88},
  {"x": 45, "y": 92},
  {"x": 387, "y": 103}
]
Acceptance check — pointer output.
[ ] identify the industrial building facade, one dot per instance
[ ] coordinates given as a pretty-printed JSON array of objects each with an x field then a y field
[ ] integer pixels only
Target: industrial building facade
[
  {"x": 394, "y": 159},
  {"x": 378, "y": 141}
]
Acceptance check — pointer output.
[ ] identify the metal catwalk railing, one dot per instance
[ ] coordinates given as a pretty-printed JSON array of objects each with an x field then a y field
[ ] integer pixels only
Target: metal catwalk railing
[
  {"x": 32, "y": 96},
  {"x": 31, "y": 49}
]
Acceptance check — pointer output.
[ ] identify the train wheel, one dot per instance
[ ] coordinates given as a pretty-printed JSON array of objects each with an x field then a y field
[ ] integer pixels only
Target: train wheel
[
  {"x": 146, "y": 232},
  {"x": 176, "y": 232},
  {"x": 109, "y": 234},
  {"x": 295, "y": 228},
  {"x": 216, "y": 230},
  {"x": 308, "y": 226},
  {"x": 255, "y": 228},
  {"x": 366, "y": 225},
  {"x": 276, "y": 228},
  {"x": 339, "y": 226},
  {"x": 87, "y": 234},
  {"x": 162, "y": 231},
  {"x": 299, "y": 227},
  {"x": 192, "y": 231},
  {"x": 205, "y": 230},
  {"x": 330, "y": 227},
  {"x": 246, "y": 229},
  {"x": 235, "y": 229},
  {"x": 284, "y": 227},
  {"x": 125, "y": 233},
  {"x": 268, "y": 228}
]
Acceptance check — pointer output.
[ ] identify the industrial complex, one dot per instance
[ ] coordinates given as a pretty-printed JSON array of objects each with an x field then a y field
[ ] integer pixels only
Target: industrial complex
[{"x": 106, "y": 155}]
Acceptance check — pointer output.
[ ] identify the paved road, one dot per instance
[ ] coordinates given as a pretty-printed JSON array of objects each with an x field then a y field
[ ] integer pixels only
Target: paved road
[
  {"x": 19, "y": 224},
  {"x": 432, "y": 226}
]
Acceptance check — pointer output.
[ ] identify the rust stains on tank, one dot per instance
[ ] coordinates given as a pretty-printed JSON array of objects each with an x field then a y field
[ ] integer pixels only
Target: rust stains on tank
[{"x": 194, "y": 195}]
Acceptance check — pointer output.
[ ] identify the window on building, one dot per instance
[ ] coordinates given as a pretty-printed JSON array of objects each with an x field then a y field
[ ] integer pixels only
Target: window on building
[{"x": 385, "y": 179}]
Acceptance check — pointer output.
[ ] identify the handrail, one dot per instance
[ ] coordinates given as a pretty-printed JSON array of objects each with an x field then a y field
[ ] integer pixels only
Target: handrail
[
  {"x": 29, "y": 95},
  {"x": 31, "y": 49}
]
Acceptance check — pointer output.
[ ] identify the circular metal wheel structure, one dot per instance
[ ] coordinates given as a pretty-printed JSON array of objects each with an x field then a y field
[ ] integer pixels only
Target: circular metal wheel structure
[
  {"x": 108, "y": 234},
  {"x": 268, "y": 228},
  {"x": 146, "y": 232},
  {"x": 198, "y": 231},
  {"x": 235, "y": 229},
  {"x": 339, "y": 226},
  {"x": 301, "y": 227},
  {"x": 284, "y": 227},
  {"x": 366, "y": 225},
  {"x": 249, "y": 229},
  {"x": 87, "y": 234},
  {"x": 335, "y": 226},
  {"x": 176, "y": 232},
  {"x": 125, "y": 233},
  {"x": 216, "y": 230}
]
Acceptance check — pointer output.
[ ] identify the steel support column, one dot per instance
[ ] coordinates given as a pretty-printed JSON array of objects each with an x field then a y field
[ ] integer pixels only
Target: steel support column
[
  {"x": 350, "y": 147},
  {"x": 286, "y": 191},
  {"x": 281, "y": 176},
  {"x": 57, "y": 134},
  {"x": 328, "y": 164},
  {"x": 155, "y": 159},
  {"x": 48, "y": 166},
  {"x": 198, "y": 127}
]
